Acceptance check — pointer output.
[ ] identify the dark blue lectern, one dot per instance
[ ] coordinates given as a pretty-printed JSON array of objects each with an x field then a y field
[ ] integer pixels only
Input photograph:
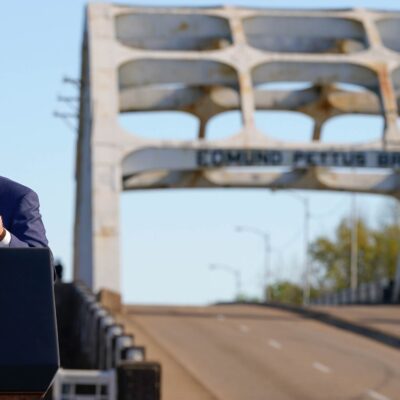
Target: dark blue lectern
[{"x": 28, "y": 334}]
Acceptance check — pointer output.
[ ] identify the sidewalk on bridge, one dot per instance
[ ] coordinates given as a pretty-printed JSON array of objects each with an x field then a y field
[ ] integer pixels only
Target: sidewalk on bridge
[
  {"x": 377, "y": 322},
  {"x": 382, "y": 318}
]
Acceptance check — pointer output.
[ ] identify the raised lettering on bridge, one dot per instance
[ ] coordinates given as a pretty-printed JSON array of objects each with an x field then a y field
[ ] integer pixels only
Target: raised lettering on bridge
[{"x": 297, "y": 159}]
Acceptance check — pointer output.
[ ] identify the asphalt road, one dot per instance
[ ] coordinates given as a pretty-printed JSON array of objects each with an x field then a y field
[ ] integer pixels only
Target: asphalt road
[{"x": 256, "y": 353}]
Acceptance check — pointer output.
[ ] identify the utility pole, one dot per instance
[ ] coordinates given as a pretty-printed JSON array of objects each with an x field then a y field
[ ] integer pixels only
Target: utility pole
[
  {"x": 307, "y": 269},
  {"x": 267, "y": 266},
  {"x": 354, "y": 244}
]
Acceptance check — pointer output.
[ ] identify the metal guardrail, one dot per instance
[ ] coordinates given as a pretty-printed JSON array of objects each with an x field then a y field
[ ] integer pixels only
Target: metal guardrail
[
  {"x": 103, "y": 341},
  {"x": 95, "y": 349}
]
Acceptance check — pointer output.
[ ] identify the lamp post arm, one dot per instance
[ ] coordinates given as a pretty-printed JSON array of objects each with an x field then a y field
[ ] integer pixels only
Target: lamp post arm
[{"x": 267, "y": 253}]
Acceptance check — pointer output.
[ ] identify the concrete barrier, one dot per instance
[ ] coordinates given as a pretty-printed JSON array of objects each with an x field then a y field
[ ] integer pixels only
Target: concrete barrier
[{"x": 110, "y": 300}]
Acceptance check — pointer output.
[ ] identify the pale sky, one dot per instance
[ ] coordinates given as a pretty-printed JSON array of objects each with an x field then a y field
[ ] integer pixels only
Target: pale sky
[{"x": 169, "y": 238}]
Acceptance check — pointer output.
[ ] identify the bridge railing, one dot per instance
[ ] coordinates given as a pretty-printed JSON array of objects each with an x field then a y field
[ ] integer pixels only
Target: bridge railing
[
  {"x": 378, "y": 292},
  {"x": 92, "y": 341}
]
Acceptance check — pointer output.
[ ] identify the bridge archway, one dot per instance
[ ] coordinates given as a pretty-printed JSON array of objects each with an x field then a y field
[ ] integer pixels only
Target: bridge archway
[{"x": 207, "y": 72}]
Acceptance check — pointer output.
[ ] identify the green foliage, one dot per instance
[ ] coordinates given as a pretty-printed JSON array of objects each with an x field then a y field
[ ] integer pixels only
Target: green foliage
[
  {"x": 377, "y": 254},
  {"x": 285, "y": 292},
  {"x": 242, "y": 298}
]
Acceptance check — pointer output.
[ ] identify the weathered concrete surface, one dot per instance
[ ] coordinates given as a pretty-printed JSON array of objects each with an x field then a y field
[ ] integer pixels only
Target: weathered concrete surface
[
  {"x": 249, "y": 352},
  {"x": 207, "y": 61},
  {"x": 110, "y": 300}
]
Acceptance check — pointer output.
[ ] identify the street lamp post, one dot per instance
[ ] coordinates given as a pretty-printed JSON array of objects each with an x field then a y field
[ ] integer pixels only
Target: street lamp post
[
  {"x": 354, "y": 245},
  {"x": 267, "y": 253},
  {"x": 307, "y": 271},
  {"x": 307, "y": 268},
  {"x": 234, "y": 272}
]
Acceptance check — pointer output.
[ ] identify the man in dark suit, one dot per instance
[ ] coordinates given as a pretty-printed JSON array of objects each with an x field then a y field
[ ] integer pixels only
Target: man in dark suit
[{"x": 20, "y": 220}]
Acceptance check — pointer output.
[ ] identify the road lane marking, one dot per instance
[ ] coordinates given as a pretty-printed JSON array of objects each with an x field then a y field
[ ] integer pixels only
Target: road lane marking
[
  {"x": 244, "y": 328},
  {"x": 376, "y": 396},
  {"x": 321, "y": 367},
  {"x": 275, "y": 344}
]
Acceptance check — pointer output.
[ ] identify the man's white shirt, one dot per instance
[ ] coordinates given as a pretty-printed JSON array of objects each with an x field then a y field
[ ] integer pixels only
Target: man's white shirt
[{"x": 6, "y": 240}]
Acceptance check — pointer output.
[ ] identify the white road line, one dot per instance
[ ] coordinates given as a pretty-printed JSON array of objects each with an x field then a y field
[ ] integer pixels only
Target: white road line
[
  {"x": 321, "y": 367},
  {"x": 244, "y": 328},
  {"x": 275, "y": 344},
  {"x": 376, "y": 396}
]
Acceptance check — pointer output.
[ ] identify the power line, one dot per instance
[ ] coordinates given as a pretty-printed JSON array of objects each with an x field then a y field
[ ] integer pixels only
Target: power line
[{"x": 290, "y": 240}]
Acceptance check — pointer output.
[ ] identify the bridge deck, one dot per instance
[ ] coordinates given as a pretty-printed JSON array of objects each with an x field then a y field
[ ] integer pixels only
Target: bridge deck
[{"x": 244, "y": 352}]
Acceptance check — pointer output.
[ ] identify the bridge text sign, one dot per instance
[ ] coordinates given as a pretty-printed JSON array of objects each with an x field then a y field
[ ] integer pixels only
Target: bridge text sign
[{"x": 214, "y": 158}]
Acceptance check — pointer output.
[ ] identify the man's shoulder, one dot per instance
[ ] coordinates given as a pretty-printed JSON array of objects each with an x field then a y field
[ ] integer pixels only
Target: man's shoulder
[{"x": 13, "y": 188}]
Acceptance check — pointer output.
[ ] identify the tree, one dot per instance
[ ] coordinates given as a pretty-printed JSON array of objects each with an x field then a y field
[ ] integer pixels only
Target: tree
[
  {"x": 387, "y": 249},
  {"x": 285, "y": 292},
  {"x": 377, "y": 254}
]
